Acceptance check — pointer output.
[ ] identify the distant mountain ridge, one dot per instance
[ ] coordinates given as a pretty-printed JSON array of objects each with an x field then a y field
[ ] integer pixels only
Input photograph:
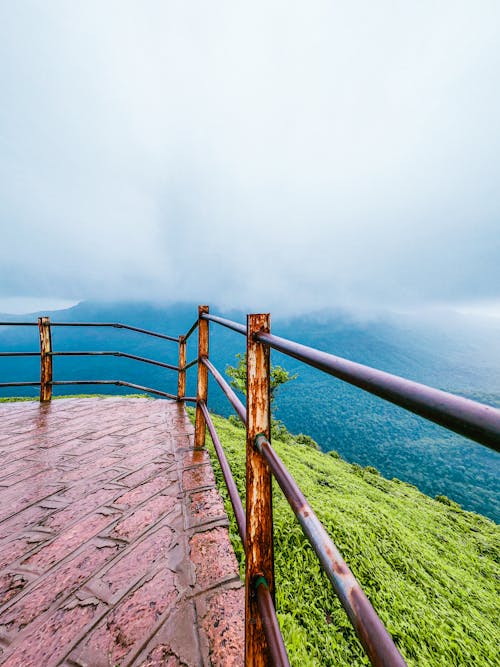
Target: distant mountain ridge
[{"x": 448, "y": 354}]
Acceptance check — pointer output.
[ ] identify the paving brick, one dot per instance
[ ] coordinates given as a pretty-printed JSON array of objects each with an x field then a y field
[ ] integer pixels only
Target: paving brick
[
  {"x": 61, "y": 583},
  {"x": 195, "y": 478},
  {"x": 104, "y": 457},
  {"x": 145, "y": 455},
  {"x": 31, "y": 516},
  {"x": 130, "y": 621},
  {"x": 195, "y": 457},
  {"x": 79, "y": 508},
  {"x": 17, "y": 466},
  {"x": 139, "y": 521},
  {"x": 84, "y": 487},
  {"x": 28, "y": 492},
  {"x": 48, "y": 642},
  {"x": 142, "y": 492},
  {"x": 162, "y": 656},
  {"x": 222, "y": 623},
  {"x": 67, "y": 542},
  {"x": 205, "y": 505},
  {"x": 15, "y": 549},
  {"x": 135, "y": 563},
  {"x": 146, "y": 472},
  {"x": 176, "y": 636},
  {"x": 213, "y": 557},
  {"x": 10, "y": 585}
]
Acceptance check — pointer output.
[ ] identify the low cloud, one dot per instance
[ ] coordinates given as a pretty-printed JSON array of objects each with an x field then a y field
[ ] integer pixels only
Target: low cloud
[{"x": 266, "y": 156}]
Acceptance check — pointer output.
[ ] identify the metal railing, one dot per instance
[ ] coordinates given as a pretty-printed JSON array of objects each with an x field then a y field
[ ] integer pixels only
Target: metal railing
[
  {"x": 46, "y": 354},
  {"x": 263, "y": 641}
]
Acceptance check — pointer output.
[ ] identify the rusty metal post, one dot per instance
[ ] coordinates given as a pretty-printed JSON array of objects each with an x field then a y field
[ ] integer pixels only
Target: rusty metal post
[
  {"x": 181, "y": 378},
  {"x": 202, "y": 390},
  {"x": 259, "y": 520},
  {"x": 45, "y": 359}
]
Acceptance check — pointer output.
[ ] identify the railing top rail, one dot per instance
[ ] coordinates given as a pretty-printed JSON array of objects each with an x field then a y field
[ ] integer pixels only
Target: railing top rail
[
  {"x": 229, "y": 324},
  {"x": 115, "y": 325},
  {"x": 19, "y": 354},
  {"x": 469, "y": 418},
  {"x": 18, "y": 324},
  {"x": 473, "y": 420}
]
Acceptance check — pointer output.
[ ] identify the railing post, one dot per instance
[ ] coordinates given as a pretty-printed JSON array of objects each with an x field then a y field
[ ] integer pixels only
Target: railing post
[
  {"x": 259, "y": 520},
  {"x": 181, "y": 378},
  {"x": 202, "y": 390},
  {"x": 45, "y": 359}
]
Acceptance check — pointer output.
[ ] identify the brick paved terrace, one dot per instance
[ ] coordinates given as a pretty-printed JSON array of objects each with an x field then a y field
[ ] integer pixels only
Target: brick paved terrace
[{"x": 114, "y": 548}]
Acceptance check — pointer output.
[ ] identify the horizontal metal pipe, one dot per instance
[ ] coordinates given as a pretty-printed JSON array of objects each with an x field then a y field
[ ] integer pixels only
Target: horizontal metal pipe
[
  {"x": 19, "y": 324},
  {"x": 376, "y": 640},
  {"x": 193, "y": 328},
  {"x": 469, "y": 418},
  {"x": 65, "y": 382},
  {"x": 235, "y": 326},
  {"x": 238, "y": 510},
  {"x": 19, "y": 384},
  {"x": 116, "y": 325},
  {"x": 191, "y": 363},
  {"x": 98, "y": 353},
  {"x": 149, "y": 390},
  {"x": 118, "y": 383},
  {"x": 19, "y": 354},
  {"x": 188, "y": 399},
  {"x": 231, "y": 396},
  {"x": 272, "y": 630}
]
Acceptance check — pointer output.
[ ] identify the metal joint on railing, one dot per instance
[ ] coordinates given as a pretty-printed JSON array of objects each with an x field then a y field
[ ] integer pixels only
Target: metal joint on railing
[
  {"x": 260, "y": 580},
  {"x": 259, "y": 439}
]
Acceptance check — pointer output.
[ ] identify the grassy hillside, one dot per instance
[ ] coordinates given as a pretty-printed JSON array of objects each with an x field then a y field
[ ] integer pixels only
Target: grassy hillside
[{"x": 430, "y": 569}]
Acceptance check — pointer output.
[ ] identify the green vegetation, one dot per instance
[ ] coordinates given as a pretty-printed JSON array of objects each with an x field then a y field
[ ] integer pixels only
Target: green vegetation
[
  {"x": 238, "y": 375},
  {"x": 278, "y": 377},
  {"x": 430, "y": 569}
]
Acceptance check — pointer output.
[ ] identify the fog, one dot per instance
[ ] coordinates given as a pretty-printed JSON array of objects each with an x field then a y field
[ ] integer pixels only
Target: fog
[{"x": 285, "y": 156}]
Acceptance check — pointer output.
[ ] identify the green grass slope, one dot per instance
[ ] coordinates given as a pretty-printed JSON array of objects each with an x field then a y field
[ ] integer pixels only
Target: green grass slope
[{"x": 430, "y": 569}]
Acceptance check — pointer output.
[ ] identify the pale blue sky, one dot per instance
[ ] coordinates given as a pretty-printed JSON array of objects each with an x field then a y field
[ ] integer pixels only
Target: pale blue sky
[{"x": 282, "y": 155}]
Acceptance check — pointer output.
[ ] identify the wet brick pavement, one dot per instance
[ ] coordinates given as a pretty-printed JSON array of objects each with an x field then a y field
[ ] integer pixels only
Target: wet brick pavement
[{"x": 114, "y": 548}]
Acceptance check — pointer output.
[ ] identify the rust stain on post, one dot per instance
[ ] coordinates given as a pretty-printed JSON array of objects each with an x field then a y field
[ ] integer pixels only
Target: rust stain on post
[
  {"x": 45, "y": 359},
  {"x": 259, "y": 521},
  {"x": 202, "y": 390},
  {"x": 181, "y": 381}
]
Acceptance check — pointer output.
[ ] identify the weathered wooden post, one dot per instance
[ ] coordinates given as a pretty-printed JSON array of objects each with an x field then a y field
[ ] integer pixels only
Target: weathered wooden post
[
  {"x": 45, "y": 359},
  {"x": 202, "y": 390},
  {"x": 259, "y": 518},
  {"x": 181, "y": 378}
]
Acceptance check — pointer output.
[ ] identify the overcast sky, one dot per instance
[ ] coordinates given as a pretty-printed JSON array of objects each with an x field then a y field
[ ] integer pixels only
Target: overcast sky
[{"x": 268, "y": 155}]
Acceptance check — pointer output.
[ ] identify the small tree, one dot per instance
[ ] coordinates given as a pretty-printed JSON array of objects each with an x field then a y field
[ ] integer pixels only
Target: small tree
[
  {"x": 279, "y": 376},
  {"x": 238, "y": 375}
]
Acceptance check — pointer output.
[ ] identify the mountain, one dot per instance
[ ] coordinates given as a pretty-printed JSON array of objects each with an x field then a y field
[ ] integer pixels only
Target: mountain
[{"x": 447, "y": 351}]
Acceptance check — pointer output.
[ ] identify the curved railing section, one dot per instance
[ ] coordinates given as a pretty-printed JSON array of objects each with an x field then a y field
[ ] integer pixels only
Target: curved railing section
[{"x": 263, "y": 641}]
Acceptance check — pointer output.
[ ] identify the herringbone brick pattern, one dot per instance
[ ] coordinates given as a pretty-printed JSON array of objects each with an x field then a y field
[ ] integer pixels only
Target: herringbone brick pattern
[{"x": 113, "y": 539}]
